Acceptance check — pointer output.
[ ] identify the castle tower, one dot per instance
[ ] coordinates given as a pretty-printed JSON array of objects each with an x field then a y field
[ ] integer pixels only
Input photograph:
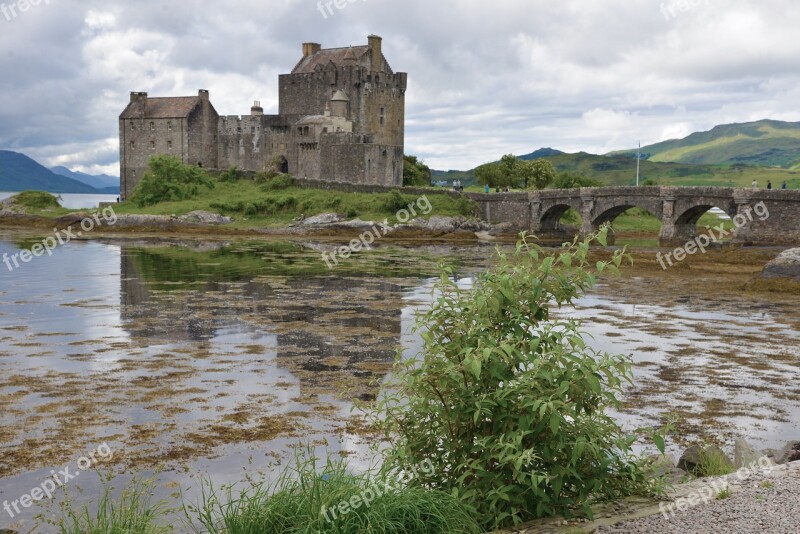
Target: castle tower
[{"x": 340, "y": 104}]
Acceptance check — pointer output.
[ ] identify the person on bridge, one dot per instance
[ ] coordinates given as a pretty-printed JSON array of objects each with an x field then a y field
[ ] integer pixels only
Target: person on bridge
[
  {"x": 784, "y": 186},
  {"x": 769, "y": 184},
  {"x": 754, "y": 185},
  {"x": 486, "y": 188}
]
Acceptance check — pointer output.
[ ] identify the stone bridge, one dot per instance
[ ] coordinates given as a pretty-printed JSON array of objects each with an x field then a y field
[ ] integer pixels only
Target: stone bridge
[{"x": 762, "y": 217}]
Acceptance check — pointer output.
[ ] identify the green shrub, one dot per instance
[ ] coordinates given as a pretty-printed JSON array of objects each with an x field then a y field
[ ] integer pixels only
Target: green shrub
[
  {"x": 395, "y": 202},
  {"x": 37, "y": 200},
  {"x": 280, "y": 181},
  {"x": 231, "y": 175},
  {"x": 507, "y": 404},
  {"x": 304, "y": 501},
  {"x": 351, "y": 213},
  {"x": 468, "y": 207},
  {"x": 169, "y": 179}
]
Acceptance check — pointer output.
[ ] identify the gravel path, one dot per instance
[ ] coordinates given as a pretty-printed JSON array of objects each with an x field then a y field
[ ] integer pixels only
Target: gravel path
[{"x": 764, "y": 502}]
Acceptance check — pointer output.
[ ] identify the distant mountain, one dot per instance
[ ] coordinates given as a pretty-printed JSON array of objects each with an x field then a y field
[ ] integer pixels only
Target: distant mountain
[
  {"x": 98, "y": 181},
  {"x": 541, "y": 153},
  {"x": 18, "y": 172},
  {"x": 767, "y": 142}
]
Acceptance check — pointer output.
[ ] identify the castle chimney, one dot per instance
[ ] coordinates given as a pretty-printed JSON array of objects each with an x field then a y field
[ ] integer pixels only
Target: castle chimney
[
  {"x": 311, "y": 49},
  {"x": 203, "y": 94},
  {"x": 376, "y": 53},
  {"x": 135, "y": 96},
  {"x": 256, "y": 109}
]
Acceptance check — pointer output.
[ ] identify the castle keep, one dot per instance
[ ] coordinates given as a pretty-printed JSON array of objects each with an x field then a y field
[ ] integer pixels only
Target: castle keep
[{"x": 341, "y": 118}]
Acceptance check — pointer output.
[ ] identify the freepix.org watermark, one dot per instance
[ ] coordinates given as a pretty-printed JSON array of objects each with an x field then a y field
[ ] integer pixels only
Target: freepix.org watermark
[
  {"x": 60, "y": 237},
  {"x": 671, "y": 9},
  {"x": 326, "y": 6},
  {"x": 14, "y": 9},
  {"x": 702, "y": 242},
  {"x": 47, "y": 489},
  {"x": 366, "y": 239},
  {"x": 710, "y": 491},
  {"x": 375, "y": 491}
]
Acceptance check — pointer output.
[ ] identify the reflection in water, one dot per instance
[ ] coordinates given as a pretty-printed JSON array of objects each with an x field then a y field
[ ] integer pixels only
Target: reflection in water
[{"x": 212, "y": 358}]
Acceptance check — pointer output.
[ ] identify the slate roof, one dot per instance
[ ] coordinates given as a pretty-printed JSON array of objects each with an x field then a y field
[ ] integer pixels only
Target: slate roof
[
  {"x": 161, "y": 108},
  {"x": 337, "y": 56}
]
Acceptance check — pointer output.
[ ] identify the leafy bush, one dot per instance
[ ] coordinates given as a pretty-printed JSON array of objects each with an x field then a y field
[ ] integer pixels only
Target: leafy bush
[
  {"x": 468, "y": 207},
  {"x": 508, "y": 405},
  {"x": 37, "y": 200},
  {"x": 231, "y": 175},
  {"x": 304, "y": 501},
  {"x": 280, "y": 181},
  {"x": 567, "y": 180},
  {"x": 395, "y": 202},
  {"x": 169, "y": 179}
]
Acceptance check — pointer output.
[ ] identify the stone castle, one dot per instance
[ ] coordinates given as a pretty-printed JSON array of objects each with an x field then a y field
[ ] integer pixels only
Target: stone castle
[{"x": 341, "y": 118}]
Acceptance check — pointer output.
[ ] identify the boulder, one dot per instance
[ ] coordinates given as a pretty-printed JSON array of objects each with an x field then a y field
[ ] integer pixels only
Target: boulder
[
  {"x": 205, "y": 217},
  {"x": 444, "y": 224},
  {"x": 700, "y": 461},
  {"x": 322, "y": 218},
  {"x": 786, "y": 265},
  {"x": 744, "y": 455}
]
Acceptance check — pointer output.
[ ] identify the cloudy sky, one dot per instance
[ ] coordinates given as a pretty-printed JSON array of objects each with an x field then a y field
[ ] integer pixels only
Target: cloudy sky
[{"x": 485, "y": 77}]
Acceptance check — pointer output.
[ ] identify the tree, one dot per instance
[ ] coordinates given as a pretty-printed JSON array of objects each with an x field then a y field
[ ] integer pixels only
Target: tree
[
  {"x": 509, "y": 405},
  {"x": 509, "y": 164},
  {"x": 167, "y": 178},
  {"x": 492, "y": 174},
  {"x": 415, "y": 172},
  {"x": 537, "y": 174}
]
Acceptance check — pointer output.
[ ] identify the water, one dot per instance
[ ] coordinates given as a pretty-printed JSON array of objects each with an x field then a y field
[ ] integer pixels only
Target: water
[
  {"x": 75, "y": 201},
  {"x": 210, "y": 359}
]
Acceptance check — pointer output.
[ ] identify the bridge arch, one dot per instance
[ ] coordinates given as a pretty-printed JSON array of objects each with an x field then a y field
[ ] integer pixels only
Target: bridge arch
[{"x": 551, "y": 219}]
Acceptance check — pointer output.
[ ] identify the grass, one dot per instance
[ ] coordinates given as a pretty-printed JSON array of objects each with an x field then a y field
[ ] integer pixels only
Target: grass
[
  {"x": 712, "y": 463},
  {"x": 302, "y": 500},
  {"x": 37, "y": 200},
  {"x": 258, "y": 205},
  {"x": 305, "y": 501},
  {"x": 132, "y": 512},
  {"x": 724, "y": 494}
]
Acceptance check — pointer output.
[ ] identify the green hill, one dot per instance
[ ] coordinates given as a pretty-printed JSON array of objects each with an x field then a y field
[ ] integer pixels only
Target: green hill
[
  {"x": 767, "y": 142},
  {"x": 620, "y": 169},
  {"x": 18, "y": 172}
]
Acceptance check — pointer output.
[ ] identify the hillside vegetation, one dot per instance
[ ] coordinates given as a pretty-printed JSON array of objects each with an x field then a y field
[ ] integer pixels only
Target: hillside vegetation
[{"x": 768, "y": 143}]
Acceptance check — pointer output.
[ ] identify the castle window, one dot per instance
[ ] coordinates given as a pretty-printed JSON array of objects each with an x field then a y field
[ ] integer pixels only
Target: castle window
[
  {"x": 169, "y": 125},
  {"x": 325, "y": 129},
  {"x": 169, "y": 145},
  {"x": 153, "y": 145},
  {"x": 133, "y": 144},
  {"x": 152, "y": 126},
  {"x": 305, "y": 131},
  {"x": 133, "y": 126},
  {"x": 300, "y": 131},
  {"x": 383, "y": 116}
]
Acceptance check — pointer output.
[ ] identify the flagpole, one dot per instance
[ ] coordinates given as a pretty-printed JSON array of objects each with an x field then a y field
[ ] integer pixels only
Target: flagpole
[{"x": 638, "y": 161}]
